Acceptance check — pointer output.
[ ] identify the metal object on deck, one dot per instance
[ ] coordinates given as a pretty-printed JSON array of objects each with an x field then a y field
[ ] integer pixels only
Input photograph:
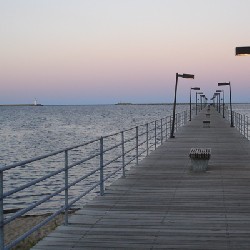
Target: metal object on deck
[{"x": 199, "y": 159}]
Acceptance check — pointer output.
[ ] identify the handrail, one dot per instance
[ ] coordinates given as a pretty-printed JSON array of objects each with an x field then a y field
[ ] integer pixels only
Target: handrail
[
  {"x": 240, "y": 121},
  {"x": 127, "y": 147}
]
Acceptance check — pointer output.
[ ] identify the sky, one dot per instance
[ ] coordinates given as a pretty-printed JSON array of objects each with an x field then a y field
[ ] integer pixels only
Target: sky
[{"x": 76, "y": 52}]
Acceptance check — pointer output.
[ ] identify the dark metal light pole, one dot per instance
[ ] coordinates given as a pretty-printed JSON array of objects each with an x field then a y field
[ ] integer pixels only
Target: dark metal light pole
[
  {"x": 223, "y": 103},
  {"x": 190, "y": 100},
  {"x": 197, "y": 93},
  {"x": 174, "y": 107},
  {"x": 217, "y": 101},
  {"x": 218, "y": 94},
  {"x": 201, "y": 96},
  {"x": 224, "y": 84},
  {"x": 212, "y": 99}
]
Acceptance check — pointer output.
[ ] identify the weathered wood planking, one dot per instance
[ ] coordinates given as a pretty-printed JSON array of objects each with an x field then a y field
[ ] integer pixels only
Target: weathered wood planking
[{"x": 162, "y": 204}]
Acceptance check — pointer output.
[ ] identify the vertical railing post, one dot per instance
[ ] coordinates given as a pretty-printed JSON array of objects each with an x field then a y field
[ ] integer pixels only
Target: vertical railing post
[
  {"x": 137, "y": 145},
  {"x": 155, "y": 133},
  {"x": 247, "y": 127},
  {"x": 238, "y": 121},
  {"x": 147, "y": 137},
  {"x": 244, "y": 125},
  {"x": 66, "y": 182},
  {"x": 1, "y": 212},
  {"x": 166, "y": 128},
  {"x": 170, "y": 126},
  {"x": 176, "y": 124},
  {"x": 123, "y": 155},
  {"x": 241, "y": 121},
  {"x": 101, "y": 167},
  {"x": 161, "y": 132}
]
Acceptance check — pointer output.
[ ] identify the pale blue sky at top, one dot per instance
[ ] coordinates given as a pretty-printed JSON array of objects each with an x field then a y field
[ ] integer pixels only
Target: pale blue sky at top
[{"x": 108, "y": 51}]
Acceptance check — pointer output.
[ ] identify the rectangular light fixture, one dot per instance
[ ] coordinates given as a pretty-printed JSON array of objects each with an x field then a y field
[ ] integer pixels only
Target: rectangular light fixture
[
  {"x": 242, "y": 51},
  {"x": 223, "y": 83},
  {"x": 187, "y": 76}
]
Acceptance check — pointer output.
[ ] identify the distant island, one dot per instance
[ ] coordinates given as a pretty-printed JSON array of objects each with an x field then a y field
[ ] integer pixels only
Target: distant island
[
  {"x": 12, "y": 105},
  {"x": 124, "y": 103},
  {"x": 128, "y": 103},
  {"x": 30, "y": 104}
]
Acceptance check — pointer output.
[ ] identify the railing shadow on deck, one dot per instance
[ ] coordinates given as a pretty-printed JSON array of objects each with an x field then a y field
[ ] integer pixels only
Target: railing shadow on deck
[{"x": 60, "y": 179}]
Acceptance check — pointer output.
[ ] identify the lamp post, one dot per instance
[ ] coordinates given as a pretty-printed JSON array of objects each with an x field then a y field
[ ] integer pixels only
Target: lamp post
[
  {"x": 229, "y": 84},
  {"x": 217, "y": 101},
  {"x": 201, "y": 96},
  {"x": 223, "y": 103},
  {"x": 218, "y": 95},
  {"x": 242, "y": 51},
  {"x": 194, "y": 88},
  {"x": 174, "y": 107},
  {"x": 212, "y": 99},
  {"x": 197, "y": 93}
]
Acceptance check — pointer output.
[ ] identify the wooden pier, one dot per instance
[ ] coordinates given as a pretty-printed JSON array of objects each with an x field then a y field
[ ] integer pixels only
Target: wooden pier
[{"x": 161, "y": 204}]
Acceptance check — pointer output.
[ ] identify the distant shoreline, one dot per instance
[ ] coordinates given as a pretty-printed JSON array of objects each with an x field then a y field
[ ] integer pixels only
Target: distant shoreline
[
  {"x": 13, "y": 105},
  {"x": 117, "y": 104}
]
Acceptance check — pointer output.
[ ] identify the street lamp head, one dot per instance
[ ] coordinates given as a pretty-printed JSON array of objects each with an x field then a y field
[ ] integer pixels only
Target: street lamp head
[
  {"x": 242, "y": 51},
  {"x": 196, "y": 88},
  {"x": 223, "y": 83},
  {"x": 186, "y": 76},
  {"x": 199, "y": 93},
  {"x": 218, "y": 90}
]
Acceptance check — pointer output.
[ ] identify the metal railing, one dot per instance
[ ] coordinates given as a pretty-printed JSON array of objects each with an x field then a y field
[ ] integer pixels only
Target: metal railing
[
  {"x": 77, "y": 171},
  {"x": 240, "y": 121}
]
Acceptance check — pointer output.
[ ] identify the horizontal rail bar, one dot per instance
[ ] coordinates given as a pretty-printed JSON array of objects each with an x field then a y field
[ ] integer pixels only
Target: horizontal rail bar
[{"x": 18, "y": 164}]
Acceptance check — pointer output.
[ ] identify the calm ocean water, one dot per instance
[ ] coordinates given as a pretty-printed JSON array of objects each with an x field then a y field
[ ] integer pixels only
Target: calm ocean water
[{"x": 28, "y": 132}]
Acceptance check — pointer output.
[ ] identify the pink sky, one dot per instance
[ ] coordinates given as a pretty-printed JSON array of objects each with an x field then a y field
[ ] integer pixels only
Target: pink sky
[{"x": 93, "y": 51}]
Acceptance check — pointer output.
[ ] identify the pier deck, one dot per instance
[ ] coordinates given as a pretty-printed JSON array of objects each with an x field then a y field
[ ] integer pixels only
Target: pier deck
[{"x": 162, "y": 204}]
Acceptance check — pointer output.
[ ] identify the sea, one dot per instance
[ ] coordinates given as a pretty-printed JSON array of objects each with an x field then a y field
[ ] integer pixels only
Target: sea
[{"x": 31, "y": 131}]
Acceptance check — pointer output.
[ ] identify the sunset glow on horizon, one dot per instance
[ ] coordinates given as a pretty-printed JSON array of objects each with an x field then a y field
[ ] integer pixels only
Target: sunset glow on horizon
[{"x": 109, "y": 51}]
